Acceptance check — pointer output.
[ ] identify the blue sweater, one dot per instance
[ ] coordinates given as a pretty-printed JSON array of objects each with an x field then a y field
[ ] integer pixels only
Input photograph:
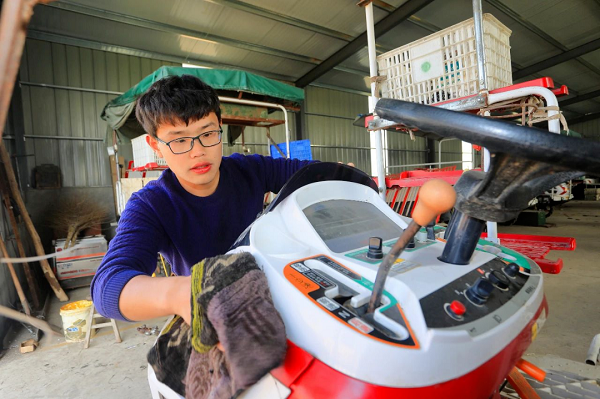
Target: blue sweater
[{"x": 163, "y": 217}]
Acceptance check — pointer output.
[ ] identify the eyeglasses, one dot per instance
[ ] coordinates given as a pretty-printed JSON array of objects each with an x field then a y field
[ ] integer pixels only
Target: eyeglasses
[{"x": 182, "y": 145}]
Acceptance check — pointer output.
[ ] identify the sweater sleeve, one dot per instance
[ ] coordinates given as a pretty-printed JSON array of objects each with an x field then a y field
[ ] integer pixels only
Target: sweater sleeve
[{"x": 132, "y": 252}]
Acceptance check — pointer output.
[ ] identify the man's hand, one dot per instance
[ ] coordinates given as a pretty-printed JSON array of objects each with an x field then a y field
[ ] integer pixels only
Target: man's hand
[
  {"x": 146, "y": 297},
  {"x": 349, "y": 164},
  {"x": 182, "y": 301}
]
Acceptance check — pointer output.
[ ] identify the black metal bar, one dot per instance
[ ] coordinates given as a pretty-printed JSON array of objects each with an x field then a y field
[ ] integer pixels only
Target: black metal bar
[
  {"x": 16, "y": 122},
  {"x": 383, "y": 26},
  {"x": 579, "y": 98},
  {"x": 557, "y": 59},
  {"x": 584, "y": 118},
  {"x": 537, "y": 31},
  {"x": 531, "y": 143},
  {"x": 430, "y": 151}
]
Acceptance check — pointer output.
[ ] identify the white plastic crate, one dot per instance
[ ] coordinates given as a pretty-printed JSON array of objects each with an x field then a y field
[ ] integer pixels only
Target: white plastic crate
[
  {"x": 143, "y": 154},
  {"x": 443, "y": 66}
]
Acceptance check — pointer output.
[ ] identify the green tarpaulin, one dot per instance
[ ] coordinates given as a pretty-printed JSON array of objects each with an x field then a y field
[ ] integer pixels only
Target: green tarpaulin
[{"x": 119, "y": 115}]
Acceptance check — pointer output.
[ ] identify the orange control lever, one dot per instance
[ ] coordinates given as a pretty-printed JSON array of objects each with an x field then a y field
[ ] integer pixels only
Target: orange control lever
[{"x": 435, "y": 197}]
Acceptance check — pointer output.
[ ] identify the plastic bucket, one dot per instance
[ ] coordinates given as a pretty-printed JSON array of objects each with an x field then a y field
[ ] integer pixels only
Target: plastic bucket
[{"x": 74, "y": 320}]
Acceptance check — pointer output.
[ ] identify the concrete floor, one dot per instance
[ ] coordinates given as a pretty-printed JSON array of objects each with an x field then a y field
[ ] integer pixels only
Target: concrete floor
[
  {"x": 60, "y": 369},
  {"x": 118, "y": 370},
  {"x": 574, "y": 294}
]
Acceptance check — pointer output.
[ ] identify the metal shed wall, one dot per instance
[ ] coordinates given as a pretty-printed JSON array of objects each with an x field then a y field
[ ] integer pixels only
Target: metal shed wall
[
  {"x": 62, "y": 124},
  {"x": 589, "y": 130},
  {"x": 402, "y": 150},
  {"x": 451, "y": 152},
  {"x": 329, "y": 115}
]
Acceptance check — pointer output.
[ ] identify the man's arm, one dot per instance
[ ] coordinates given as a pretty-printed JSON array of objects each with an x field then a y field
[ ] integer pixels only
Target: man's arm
[
  {"x": 145, "y": 297},
  {"x": 122, "y": 287}
]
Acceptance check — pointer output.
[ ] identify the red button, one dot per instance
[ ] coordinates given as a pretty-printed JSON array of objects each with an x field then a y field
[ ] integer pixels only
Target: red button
[{"x": 458, "y": 308}]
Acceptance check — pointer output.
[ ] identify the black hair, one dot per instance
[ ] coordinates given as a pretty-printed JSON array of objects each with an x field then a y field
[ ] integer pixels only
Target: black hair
[{"x": 176, "y": 99}]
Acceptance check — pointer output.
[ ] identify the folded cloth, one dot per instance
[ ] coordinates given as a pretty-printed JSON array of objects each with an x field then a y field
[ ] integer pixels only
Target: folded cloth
[
  {"x": 231, "y": 304},
  {"x": 169, "y": 357},
  {"x": 208, "y": 376},
  {"x": 210, "y": 277}
]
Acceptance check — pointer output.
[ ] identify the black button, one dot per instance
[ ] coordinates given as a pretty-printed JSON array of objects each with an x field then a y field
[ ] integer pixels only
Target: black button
[
  {"x": 375, "y": 251},
  {"x": 499, "y": 279},
  {"x": 511, "y": 270},
  {"x": 480, "y": 291}
]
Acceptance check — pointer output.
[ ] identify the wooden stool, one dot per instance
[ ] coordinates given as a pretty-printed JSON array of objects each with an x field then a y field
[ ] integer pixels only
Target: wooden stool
[{"x": 91, "y": 326}]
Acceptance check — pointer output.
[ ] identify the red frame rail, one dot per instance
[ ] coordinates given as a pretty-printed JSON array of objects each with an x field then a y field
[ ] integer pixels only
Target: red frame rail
[{"x": 537, "y": 247}]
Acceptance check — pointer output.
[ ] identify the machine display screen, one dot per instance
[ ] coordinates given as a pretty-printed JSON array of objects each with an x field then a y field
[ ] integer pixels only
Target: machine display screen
[{"x": 344, "y": 225}]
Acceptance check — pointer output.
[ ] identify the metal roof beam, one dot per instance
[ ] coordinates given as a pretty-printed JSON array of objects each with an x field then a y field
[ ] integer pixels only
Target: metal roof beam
[
  {"x": 584, "y": 118},
  {"x": 263, "y": 12},
  {"x": 193, "y": 34},
  {"x": 344, "y": 89},
  {"x": 400, "y": 14},
  {"x": 558, "y": 59},
  {"x": 540, "y": 33},
  {"x": 579, "y": 98},
  {"x": 252, "y": 9}
]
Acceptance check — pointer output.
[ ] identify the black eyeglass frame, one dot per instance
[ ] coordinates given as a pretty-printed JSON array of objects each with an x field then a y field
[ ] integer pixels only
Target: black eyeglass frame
[{"x": 168, "y": 144}]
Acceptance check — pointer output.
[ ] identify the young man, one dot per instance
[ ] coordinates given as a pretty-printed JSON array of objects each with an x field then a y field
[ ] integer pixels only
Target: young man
[{"x": 196, "y": 209}]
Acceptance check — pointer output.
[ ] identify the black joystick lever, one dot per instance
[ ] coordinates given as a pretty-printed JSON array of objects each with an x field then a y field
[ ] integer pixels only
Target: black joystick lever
[
  {"x": 435, "y": 197},
  {"x": 430, "y": 229}
]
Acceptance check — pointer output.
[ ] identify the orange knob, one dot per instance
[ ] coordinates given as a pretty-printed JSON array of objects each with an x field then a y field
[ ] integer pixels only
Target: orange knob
[{"x": 435, "y": 197}]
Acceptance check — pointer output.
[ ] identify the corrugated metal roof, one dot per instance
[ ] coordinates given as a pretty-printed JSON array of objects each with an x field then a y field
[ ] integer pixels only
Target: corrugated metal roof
[{"x": 288, "y": 39}]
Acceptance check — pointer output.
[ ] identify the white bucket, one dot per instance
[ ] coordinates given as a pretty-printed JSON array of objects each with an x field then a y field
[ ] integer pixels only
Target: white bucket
[{"x": 74, "y": 320}]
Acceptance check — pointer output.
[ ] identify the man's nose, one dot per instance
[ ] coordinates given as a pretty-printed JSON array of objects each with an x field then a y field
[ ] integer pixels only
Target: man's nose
[{"x": 197, "y": 149}]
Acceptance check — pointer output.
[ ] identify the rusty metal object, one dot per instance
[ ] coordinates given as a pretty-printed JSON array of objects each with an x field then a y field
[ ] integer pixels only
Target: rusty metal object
[{"x": 13, "y": 28}]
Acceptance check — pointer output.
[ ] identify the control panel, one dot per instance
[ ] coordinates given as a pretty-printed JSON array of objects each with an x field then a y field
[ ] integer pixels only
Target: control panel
[
  {"x": 344, "y": 295},
  {"x": 478, "y": 294}
]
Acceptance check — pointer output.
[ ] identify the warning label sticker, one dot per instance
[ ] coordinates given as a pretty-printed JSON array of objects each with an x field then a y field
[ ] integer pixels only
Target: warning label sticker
[
  {"x": 402, "y": 267},
  {"x": 300, "y": 267},
  {"x": 328, "y": 303},
  {"x": 360, "y": 325}
]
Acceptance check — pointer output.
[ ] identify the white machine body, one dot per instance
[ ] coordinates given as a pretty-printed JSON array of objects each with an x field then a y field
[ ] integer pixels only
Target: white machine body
[{"x": 313, "y": 248}]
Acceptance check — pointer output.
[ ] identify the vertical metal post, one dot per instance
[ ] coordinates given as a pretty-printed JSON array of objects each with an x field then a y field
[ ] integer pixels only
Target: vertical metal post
[
  {"x": 479, "y": 46},
  {"x": 440, "y": 151},
  {"x": 16, "y": 123},
  {"x": 492, "y": 227},
  {"x": 375, "y": 136}
]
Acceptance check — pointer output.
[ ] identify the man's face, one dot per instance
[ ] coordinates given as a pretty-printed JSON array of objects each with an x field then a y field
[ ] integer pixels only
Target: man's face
[{"x": 197, "y": 170}]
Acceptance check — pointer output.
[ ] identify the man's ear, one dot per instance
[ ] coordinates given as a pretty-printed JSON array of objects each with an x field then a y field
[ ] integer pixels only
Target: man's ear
[{"x": 154, "y": 144}]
